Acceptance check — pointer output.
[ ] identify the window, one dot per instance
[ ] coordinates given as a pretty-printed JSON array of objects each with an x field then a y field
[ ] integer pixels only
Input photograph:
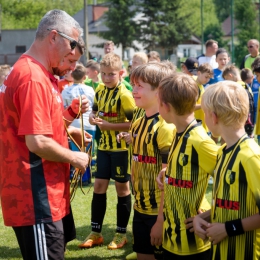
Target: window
[{"x": 20, "y": 48}]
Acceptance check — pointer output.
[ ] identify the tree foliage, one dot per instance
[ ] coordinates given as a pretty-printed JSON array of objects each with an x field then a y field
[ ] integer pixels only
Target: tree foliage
[
  {"x": 214, "y": 31},
  {"x": 245, "y": 15},
  {"x": 119, "y": 20},
  {"x": 222, "y": 9},
  {"x": 26, "y": 14},
  {"x": 162, "y": 24}
]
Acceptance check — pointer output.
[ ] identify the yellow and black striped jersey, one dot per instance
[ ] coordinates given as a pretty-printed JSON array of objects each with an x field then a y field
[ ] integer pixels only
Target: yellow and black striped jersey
[
  {"x": 152, "y": 138},
  {"x": 199, "y": 114},
  {"x": 191, "y": 159},
  {"x": 115, "y": 106},
  {"x": 138, "y": 113},
  {"x": 236, "y": 195}
]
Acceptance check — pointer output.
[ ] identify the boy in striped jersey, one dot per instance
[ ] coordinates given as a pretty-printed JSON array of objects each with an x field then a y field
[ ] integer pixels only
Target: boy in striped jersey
[
  {"x": 234, "y": 230},
  {"x": 191, "y": 160},
  {"x": 112, "y": 112},
  {"x": 151, "y": 139}
]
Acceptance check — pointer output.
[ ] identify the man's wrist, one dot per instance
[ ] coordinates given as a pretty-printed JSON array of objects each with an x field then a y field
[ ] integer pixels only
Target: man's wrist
[{"x": 71, "y": 112}]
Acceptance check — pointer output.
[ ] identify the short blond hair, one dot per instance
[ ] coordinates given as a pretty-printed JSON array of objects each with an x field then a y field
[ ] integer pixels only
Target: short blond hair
[
  {"x": 229, "y": 101},
  {"x": 180, "y": 91},
  {"x": 233, "y": 70},
  {"x": 142, "y": 56},
  {"x": 151, "y": 73},
  {"x": 111, "y": 60}
]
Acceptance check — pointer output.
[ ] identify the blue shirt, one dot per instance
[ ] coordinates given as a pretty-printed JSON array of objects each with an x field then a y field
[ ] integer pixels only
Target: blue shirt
[{"x": 217, "y": 76}]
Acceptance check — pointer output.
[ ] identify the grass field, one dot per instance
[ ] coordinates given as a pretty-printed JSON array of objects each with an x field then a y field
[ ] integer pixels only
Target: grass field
[{"x": 81, "y": 206}]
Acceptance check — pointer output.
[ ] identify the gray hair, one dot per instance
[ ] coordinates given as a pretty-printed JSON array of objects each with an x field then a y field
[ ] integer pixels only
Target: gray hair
[{"x": 58, "y": 20}]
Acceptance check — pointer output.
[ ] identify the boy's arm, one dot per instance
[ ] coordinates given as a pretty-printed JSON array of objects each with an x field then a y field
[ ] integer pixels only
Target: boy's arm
[
  {"x": 157, "y": 229},
  {"x": 216, "y": 232},
  {"x": 105, "y": 125}
]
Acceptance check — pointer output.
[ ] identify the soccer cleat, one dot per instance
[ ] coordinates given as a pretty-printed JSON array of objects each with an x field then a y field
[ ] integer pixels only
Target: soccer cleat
[
  {"x": 93, "y": 239},
  {"x": 119, "y": 241},
  {"x": 131, "y": 256}
]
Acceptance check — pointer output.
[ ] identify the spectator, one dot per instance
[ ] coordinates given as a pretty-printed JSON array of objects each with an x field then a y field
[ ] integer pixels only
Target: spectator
[
  {"x": 253, "y": 48},
  {"x": 190, "y": 66},
  {"x": 34, "y": 146},
  {"x": 92, "y": 72},
  {"x": 210, "y": 55},
  {"x": 222, "y": 58},
  {"x": 153, "y": 56}
]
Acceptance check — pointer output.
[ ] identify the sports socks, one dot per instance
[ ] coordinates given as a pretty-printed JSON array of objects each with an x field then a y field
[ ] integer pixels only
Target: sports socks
[
  {"x": 124, "y": 206},
  {"x": 98, "y": 210}
]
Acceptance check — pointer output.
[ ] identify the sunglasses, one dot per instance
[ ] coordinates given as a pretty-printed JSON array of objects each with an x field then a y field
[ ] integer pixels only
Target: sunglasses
[
  {"x": 73, "y": 43},
  {"x": 251, "y": 46}
]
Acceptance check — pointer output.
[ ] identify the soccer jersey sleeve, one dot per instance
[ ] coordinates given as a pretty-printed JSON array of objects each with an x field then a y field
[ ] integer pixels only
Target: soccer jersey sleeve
[
  {"x": 164, "y": 139},
  {"x": 128, "y": 104},
  {"x": 208, "y": 155},
  {"x": 252, "y": 168}
]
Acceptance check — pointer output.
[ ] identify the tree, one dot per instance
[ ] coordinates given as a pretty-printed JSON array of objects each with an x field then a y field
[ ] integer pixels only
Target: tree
[
  {"x": 162, "y": 24},
  {"x": 122, "y": 26},
  {"x": 26, "y": 14},
  {"x": 245, "y": 15},
  {"x": 222, "y": 9},
  {"x": 214, "y": 31}
]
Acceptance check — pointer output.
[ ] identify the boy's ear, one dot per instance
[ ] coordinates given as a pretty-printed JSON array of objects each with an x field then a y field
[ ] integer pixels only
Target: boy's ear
[{"x": 214, "y": 118}]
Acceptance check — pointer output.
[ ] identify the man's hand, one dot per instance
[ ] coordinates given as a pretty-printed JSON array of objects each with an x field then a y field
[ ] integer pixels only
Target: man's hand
[
  {"x": 84, "y": 105},
  {"x": 80, "y": 161}
]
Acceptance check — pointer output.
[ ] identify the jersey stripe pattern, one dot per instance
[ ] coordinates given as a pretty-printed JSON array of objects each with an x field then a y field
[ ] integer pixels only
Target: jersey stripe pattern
[
  {"x": 191, "y": 159},
  {"x": 152, "y": 138},
  {"x": 237, "y": 195},
  {"x": 115, "y": 106}
]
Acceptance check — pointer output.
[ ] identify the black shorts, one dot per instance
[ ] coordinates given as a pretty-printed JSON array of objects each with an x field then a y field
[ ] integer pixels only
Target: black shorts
[
  {"x": 142, "y": 225},
  {"x": 46, "y": 240},
  {"x": 201, "y": 256},
  {"x": 112, "y": 165}
]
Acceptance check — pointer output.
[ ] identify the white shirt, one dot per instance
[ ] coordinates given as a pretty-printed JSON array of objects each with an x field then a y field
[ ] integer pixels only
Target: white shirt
[
  {"x": 74, "y": 91},
  {"x": 210, "y": 60}
]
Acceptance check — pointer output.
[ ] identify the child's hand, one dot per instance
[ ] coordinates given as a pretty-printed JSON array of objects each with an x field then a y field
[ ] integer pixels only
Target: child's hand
[
  {"x": 124, "y": 135},
  {"x": 189, "y": 222},
  {"x": 160, "y": 179},
  {"x": 102, "y": 124},
  {"x": 92, "y": 118},
  {"x": 200, "y": 226},
  {"x": 216, "y": 232}
]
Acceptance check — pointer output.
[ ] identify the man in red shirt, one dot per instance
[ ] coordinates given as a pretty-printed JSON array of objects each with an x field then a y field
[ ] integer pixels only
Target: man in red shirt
[{"x": 34, "y": 169}]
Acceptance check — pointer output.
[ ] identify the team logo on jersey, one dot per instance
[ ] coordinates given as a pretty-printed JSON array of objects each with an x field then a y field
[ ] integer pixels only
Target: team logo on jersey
[
  {"x": 183, "y": 159},
  {"x": 230, "y": 177},
  {"x": 148, "y": 138},
  {"x": 112, "y": 102}
]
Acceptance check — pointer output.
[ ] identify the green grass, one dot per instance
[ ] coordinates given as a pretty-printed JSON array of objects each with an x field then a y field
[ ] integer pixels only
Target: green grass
[{"x": 81, "y": 206}]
